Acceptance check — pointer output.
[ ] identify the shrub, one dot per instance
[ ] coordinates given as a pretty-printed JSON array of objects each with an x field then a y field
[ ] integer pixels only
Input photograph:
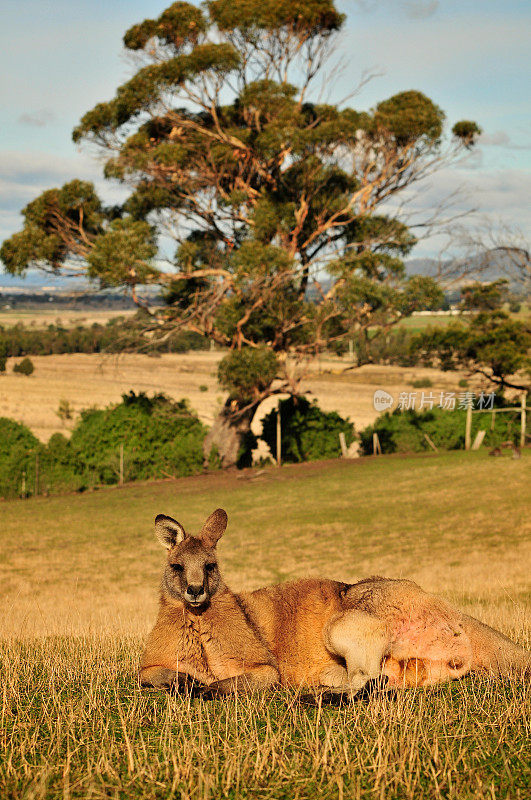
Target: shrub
[
  {"x": 24, "y": 367},
  {"x": 307, "y": 432},
  {"x": 463, "y": 383},
  {"x": 422, "y": 383},
  {"x": 403, "y": 431},
  {"x": 18, "y": 447},
  {"x": 160, "y": 437},
  {"x": 64, "y": 411},
  {"x": 62, "y": 469},
  {"x": 203, "y": 388}
]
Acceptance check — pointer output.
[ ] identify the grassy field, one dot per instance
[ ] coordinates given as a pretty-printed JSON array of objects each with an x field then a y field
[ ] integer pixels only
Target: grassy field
[
  {"x": 78, "y": 581},
  {"x": 95, "y": 380}
]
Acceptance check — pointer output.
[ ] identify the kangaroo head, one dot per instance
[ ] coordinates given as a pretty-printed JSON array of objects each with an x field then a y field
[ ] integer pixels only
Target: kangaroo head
[{"x": 191, "y": 572}]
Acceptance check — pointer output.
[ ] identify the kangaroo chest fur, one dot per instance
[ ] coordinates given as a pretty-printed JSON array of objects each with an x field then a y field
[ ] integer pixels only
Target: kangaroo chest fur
[{"x": 217, "y": 643}]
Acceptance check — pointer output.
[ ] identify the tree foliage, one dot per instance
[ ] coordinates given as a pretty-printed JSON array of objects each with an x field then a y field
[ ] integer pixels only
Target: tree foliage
[
  {"x": 276, "y": 200},
  {"x": 484, "y": 296},
  {"x": 247, "y": 373},
  {"x": 492, "y": 344},
  {"x": 405, "y": 431}
]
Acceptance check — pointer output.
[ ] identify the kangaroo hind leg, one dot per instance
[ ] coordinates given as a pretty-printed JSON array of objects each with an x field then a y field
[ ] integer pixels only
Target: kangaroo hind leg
[{"x": 361, "y": 639}]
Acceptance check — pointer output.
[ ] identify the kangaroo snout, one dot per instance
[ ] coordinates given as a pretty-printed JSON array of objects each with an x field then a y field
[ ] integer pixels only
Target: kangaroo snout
[{"x": 195, "y": 594}]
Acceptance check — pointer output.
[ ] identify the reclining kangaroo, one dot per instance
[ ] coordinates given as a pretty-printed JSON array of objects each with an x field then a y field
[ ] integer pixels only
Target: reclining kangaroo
[{"x": 309, "y": 632}]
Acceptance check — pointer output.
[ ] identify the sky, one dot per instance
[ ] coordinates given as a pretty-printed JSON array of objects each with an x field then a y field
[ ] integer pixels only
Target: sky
[{"x": 58, "y": 59}]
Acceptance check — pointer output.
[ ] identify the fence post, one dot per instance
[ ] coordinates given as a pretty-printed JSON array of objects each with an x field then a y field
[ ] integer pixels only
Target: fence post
[
  {"x": 523, "y": 401},
  {"x": 376, "y": 447},
  {"x": 468, "y": 429},
  {"x": 431, "y": 443},
  {"x": 23, "y": 489},
  {"x": 36, "y": 474},
  {"x": 478, "y": 441},
  {"x": 279, "y": 438},
  {"x": 122, "y": 464},
  {"x": 351, "y": 349},
  {"x": 343, "y": 444}
]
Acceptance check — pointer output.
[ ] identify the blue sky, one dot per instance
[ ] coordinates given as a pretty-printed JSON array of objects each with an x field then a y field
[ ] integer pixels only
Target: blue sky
[{"x": 59, "y": 58}]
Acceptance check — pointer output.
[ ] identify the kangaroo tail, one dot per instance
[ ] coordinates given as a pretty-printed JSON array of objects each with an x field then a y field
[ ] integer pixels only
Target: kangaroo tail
[{"x": 493, "y": 652}]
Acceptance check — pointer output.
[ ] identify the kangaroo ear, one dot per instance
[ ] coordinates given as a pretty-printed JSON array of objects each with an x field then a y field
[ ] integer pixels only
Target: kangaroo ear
[
  {"x": 214, "y": 527},
  {"x": 168, "y": 531}
]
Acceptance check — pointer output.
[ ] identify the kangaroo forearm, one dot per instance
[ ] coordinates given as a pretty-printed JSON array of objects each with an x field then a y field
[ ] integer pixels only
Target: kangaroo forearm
[
  {"x": 256, "y": 679},
  {"x": 157, "y": 676},
  {"x": 160, "y": 677}
]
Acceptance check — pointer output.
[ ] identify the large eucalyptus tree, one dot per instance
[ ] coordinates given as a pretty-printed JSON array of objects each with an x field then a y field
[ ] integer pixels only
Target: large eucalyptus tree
[{"x": 275, "y": 201}]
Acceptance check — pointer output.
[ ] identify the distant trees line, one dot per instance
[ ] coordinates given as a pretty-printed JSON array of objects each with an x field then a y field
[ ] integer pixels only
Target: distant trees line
[
  {"x": 122, "y": 335},
  {"x": 116, "y": 336},
  {"x": 65, "y": 300}
]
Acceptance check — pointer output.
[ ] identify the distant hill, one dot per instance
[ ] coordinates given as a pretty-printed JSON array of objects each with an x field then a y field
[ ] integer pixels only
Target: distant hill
[
  {"x": 432, "y": 267},
  {"x": 34, "y": 279},
  {"x": 37, "y": 288}
]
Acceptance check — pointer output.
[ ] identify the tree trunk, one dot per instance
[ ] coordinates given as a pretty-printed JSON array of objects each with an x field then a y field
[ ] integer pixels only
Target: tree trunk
[{"x": 232, "y": 437}]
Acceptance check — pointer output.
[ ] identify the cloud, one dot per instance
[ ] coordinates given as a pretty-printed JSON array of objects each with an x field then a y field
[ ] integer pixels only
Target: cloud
[
  {"x": 421, "y": 9},
  {"x": 501, "y": 139},
  {"x": 37, "y": 119},
  {"x": 500, "y": 194},
  {"x": 415, "y": 9}
]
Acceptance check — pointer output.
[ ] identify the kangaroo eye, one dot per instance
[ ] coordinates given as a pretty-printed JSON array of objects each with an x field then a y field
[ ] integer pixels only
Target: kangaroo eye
[
  {"x": 210, "y": 567},
  {"x": 177, "y": 567}
]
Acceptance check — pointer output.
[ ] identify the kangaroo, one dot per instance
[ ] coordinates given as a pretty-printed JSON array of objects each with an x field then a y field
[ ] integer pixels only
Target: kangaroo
[{"x": 317, "y": 633}]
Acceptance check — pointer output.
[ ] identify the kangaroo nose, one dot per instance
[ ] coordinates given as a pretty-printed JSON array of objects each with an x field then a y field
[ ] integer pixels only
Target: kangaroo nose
[{"x": 195, "y": 591}]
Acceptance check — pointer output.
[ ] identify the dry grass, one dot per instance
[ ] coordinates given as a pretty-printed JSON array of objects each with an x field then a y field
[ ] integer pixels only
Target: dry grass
[
  {"x": 95, "y": 380},
  {"x": 78, "y": 581},
  {"x": 76, "y": 726}
]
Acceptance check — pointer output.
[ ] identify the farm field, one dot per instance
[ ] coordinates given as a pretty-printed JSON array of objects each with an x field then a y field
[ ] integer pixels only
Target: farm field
[
  {"x": 417, "y": 323},
  {"x": 79, "y": 590},
  {"x": 95, "y": 380},
  {"x": 68, "y": 317}
]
